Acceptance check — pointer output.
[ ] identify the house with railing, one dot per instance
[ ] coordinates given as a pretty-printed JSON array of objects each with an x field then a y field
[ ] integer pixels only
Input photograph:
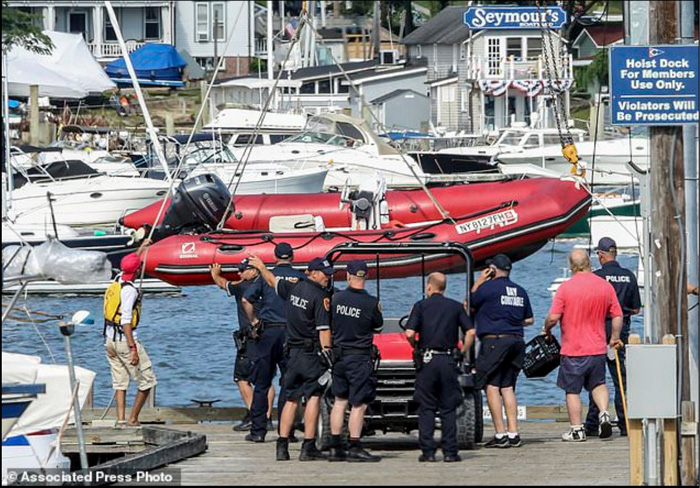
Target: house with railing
[
  {"x": 488, "y": 80},
  {"x": 200, "y": 28}
]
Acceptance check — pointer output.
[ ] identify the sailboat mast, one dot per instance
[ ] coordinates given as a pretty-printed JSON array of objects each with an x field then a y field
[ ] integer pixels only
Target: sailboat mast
[{"x": 150, "y": 129}]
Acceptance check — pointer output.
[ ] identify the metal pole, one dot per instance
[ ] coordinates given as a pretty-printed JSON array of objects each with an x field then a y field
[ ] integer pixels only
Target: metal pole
[
  {"x": 690, "y": 156},
  {"x": 150, "y": 129},
  {"x": 13, "y": 302},
  {"x": 6, "y": 120},
  {"x": 67, "y": 330}
]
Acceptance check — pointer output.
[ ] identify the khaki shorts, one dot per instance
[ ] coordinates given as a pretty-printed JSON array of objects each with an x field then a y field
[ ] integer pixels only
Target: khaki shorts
[{"x": 122, "y": 370}]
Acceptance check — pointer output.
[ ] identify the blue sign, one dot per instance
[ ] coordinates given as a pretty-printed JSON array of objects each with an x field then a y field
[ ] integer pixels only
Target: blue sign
[
  {"x": 654, "y": 85},
  {"x": 509, "y": 17}
]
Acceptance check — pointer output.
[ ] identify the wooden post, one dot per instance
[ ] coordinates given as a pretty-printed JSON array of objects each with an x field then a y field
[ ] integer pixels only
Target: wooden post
[
  {"x": 34, "y": 115},
  {"x": 689, "y": 474},
  {"x": 669, "y": 463},
  {"x": 636, "y": 440}
]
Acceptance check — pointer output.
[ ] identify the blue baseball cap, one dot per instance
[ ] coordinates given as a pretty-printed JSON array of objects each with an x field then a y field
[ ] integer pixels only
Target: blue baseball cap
[
  {"x": 358, "y": 268},
  {"x": 607, "y": 244},
  {"x": 284, "y": 250},
  {"x": 322, "y": 265},
  {"x": 245, "y": 264}
]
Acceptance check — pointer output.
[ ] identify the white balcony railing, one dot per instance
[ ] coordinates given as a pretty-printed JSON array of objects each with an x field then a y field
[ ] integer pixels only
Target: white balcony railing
[
  {"x": 482, "y": 68},
  {"x": 110, "y": 50}
]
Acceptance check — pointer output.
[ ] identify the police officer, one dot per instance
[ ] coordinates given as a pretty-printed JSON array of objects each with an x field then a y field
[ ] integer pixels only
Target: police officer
[
  {"x": 501, "y": 310},
  {"x": 355, "y": 317},
  {"x": 243, "y": 368},
  {"x": 625, "y": 284},
  {"x": 308, "y": 303},
  {"x": 268, "y": 326},
  {"x": 433, "y": 330}
]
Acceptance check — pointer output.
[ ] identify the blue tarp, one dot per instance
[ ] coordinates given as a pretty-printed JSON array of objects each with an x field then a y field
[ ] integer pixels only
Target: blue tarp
[{"x": 155, "y": 65}]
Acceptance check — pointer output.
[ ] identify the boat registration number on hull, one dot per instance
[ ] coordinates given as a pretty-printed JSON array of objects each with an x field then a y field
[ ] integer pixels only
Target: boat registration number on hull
[{"x": 501, "y": 219}]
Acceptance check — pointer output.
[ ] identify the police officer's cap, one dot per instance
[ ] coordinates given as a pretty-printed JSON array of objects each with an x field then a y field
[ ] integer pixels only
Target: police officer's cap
[
  {"x": 284, "y": 251},
  {"x": 358, "y": 268},
  {"x": 606, "y": 244},
  {"x": 322, "y": 265},
  {"x": 501, "y": 261}
]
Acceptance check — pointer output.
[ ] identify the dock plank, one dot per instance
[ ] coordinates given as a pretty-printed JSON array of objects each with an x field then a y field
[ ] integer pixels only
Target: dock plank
[{"x": 543, "y": 460}]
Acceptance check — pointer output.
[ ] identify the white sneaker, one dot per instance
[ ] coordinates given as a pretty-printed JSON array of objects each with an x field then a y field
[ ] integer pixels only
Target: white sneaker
[
  {"x": 606, "y": 430},
  {"x": 575, "y": 434}
]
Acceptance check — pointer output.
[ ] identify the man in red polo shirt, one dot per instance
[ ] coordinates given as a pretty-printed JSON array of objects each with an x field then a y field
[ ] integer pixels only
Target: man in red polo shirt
[{"x": 581, "y": 305}]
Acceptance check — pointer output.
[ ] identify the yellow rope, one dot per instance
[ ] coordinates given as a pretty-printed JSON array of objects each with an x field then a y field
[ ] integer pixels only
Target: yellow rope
[{"x": 622, "y": 389}]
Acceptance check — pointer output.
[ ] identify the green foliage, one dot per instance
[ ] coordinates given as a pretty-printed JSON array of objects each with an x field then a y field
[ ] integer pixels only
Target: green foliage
[
  {"x": 19, "y": 29},
  {"x": 597, "y": 71}
]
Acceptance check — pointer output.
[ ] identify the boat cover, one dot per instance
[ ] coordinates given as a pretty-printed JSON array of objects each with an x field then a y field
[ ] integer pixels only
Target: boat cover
[
  {"x": 55, "y": 73},
  {"x": 155, "y": 65},
  {"x": 49, "y": 409}
]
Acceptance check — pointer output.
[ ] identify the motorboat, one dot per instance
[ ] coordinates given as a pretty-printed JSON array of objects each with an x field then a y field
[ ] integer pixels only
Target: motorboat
[
  {"x": 239, "y": 127},
  {"x": 75, "y": 194},
  {"x": 349, "y": 150},
  {"x": 512, "y": 217}
]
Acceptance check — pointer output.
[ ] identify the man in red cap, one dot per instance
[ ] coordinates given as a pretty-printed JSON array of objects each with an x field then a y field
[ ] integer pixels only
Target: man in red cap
[{"x": 127, "y": 356}]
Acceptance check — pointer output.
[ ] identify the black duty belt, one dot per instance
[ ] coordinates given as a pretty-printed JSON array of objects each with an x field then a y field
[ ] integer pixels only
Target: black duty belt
[
  {"x": 435, "y": 350},
  {"x": 353, "y": 351},
  {"x": 275, "y": 325},
  {"x": 500, "y": 336}
]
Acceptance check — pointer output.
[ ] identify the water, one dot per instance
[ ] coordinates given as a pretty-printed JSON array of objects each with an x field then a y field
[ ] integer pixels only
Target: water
[{"x": 188, "y": 337}]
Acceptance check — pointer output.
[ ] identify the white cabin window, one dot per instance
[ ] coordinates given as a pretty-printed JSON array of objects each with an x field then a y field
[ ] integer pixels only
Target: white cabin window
[
  {"x": 494, "y": 55},
  {"x": 218, "y": 15},
  {"x": 202, "y": 34},
  {"x": 152, "y": 23}
]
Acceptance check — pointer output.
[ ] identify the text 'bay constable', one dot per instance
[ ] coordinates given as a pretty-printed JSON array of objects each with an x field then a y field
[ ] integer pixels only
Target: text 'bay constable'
[
  {"x": 307, "y": 305},
  {"x": 355, "y": 317},
  {"x": 433, "y": 330}
]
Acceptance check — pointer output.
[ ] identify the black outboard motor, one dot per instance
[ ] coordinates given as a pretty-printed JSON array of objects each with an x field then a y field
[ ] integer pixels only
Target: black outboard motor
[{"x": 198, "y": 205}]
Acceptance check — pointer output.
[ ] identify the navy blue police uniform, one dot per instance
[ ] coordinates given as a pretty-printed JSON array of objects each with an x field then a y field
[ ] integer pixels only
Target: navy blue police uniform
[
  {"x": 625, "y": 284},
  {"x": 308, "y": 313},
  {"x": 243, "y": 368},
  {"x": 269, "y": 348},
  {"x": 355, "y": 317},
  {"x": 500, "y": 309},
  {"x": 437, "y": 321}
]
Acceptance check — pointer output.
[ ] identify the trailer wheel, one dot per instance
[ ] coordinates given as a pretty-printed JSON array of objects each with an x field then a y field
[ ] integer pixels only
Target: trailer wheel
[
  {"x": 323, "y": 431},
  {"x": 467, "y": 423},
  {"x": 479, "y": 410}
]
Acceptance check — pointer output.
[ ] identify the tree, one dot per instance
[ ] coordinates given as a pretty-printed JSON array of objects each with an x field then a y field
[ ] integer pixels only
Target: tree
[{"x": 19, "y": 29}]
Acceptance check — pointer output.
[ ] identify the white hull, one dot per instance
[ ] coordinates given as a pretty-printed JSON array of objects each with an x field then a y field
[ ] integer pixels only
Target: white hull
[
  {"x": 98, "y": 201},
  {"x": 608, "y": 168},
  {"x": 268, "y": 179},
  {"x": 32, "y": 452}
]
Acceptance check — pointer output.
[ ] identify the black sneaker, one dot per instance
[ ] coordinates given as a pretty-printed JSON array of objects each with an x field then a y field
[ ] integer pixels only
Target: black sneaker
[
  {"x": 282, "y": 450},
  {"x": 592, "y": 431},
  {"x": 427, "y": 458},
  {"x": 243, "y": 426},
  {"x": 254, "y": 438},
  {"x": 606, "y": 430},
  {"x": 337, "y": 455},
  {"x": 453, "y": 459},
  {"x": 359, "y": 455},
  {"x": 515, "y": 441},
  {"x": 309, "y": 452},
  {"x": 501, "y": 443}
]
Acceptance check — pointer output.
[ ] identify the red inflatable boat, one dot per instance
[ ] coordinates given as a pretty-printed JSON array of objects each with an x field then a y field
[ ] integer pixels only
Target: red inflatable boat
[{"x": 516, "y": 218}]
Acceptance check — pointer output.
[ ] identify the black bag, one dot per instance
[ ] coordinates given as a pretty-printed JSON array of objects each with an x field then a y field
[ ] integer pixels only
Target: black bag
[{"x": 542, "y": 356}]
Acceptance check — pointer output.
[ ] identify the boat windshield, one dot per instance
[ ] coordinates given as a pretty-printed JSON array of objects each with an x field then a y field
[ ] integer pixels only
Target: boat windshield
[
  {"x": 336, "y": 133},
  {"x": 510, "y": 138}
]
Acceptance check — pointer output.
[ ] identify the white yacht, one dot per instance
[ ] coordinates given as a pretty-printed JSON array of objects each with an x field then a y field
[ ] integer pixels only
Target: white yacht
[
  {"x": 349, "y": 150},
  {"x": 240, "y": 127},
  {"x": 542, "y": 148}
]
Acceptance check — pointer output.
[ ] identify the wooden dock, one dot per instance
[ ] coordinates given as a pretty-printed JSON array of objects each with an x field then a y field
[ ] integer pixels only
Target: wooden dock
[{"x": 542, "y": 460}]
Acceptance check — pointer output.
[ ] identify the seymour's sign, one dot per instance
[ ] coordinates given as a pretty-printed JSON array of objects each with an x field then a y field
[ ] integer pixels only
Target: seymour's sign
[{"x": 480, "y": 17}]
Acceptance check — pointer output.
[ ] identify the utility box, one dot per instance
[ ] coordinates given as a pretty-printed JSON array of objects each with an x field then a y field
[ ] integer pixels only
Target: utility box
[{"x": 652, "y": 378}]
